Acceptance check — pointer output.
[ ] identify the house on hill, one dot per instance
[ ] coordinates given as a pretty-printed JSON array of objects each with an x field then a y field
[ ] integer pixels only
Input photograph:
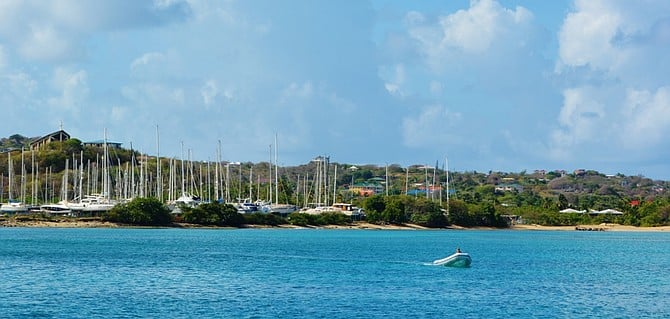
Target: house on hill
[
  {"x": 58, "y": 136},
  {"x": 101, "y": 143}
]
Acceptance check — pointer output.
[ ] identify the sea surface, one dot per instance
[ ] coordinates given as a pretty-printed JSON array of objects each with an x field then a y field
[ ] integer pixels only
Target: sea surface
[{"x": 307, "y": 273}]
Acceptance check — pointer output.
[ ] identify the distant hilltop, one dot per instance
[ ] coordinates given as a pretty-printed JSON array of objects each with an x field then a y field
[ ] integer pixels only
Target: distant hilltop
[{"x": 570, "y": 187}]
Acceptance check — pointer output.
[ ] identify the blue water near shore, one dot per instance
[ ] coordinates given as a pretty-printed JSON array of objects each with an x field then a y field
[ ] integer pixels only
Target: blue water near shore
[{"x": 276, "y": 273}]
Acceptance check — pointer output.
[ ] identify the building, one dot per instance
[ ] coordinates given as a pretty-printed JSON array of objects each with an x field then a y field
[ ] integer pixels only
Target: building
[
  {"x": 58, "y": 136},
  {"x": 366, "y": 189},
  {"x": 101, "y": 143}
]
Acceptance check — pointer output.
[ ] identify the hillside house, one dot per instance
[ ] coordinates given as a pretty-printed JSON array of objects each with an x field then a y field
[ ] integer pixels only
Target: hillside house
[{"x": 58, "y": 136}]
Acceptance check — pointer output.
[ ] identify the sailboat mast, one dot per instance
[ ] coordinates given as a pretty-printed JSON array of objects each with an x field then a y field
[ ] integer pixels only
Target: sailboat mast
[
  {"x": 10, "y": 172},
  {"x": 251, "y": 179},
  {"x": 216, "y": 171},
  {"x": 276, "y": 173},
  {"x": 446, "y": 163},
  {"x": 159, "y": 182},
  {"x": 23, "y": 178},
  {"x": 270, "y": 176},
  {"x": 335, "y": 186},
  {"x": 105, "y": 179},
  {"x": 183, "y": 181},
  {"x": 81, "y": 175},
  {"x": 387, "y": 179}
]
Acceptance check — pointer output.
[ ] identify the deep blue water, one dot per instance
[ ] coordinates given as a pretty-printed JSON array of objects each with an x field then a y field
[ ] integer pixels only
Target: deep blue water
[{"x": 275, "y": 273}]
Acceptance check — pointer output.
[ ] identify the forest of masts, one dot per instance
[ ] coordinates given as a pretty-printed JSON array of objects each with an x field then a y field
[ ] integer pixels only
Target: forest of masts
[
  {"x": 170, "y": 178},
  {"x": 142, "y": 176}
]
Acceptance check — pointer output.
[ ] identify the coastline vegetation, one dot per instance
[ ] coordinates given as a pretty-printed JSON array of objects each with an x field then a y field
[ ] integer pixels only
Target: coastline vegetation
[{"x": 389, "y": 194}]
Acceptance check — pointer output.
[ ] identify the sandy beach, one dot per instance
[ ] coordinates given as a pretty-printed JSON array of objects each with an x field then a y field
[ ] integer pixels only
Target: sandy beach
[
  {"x": 96, "y": 223},
  {"x": 600, "y": 227}
]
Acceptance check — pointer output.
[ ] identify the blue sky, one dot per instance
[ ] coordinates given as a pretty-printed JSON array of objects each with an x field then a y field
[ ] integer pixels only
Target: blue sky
[{"x": 507, "y": 85}]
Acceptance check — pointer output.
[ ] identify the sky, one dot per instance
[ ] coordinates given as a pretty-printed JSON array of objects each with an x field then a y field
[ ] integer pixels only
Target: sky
[{"x": 506, "y": 85}]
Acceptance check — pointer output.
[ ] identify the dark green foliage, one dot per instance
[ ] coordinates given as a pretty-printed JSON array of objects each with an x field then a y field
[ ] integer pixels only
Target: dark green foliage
[
  {"x": 214, "y": 214},
  {"x": 333, "y": 218},
  {"x": 72, "y": 146},
  {"x": 302, "y": 219},
  {"x": 326, "y": 218},
  {"x": 374, "y": 204},
  {"x": 140, "y": 211},
  {"x": 394, "y": 210},
  {"x": 431, "y": 219},
  {"x": 263, "y": 219},
  {"x": 398, "y": 209}
]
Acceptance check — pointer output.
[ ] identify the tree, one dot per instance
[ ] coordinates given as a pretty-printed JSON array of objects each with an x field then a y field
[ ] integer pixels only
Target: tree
[
  {"x": 562, "y": 201},
  {"x": 374, "y": 204},
  {"x": 394, "y": 210},
  {"x": 214, "y": 214},
  {"x": 141, "y": 211}
]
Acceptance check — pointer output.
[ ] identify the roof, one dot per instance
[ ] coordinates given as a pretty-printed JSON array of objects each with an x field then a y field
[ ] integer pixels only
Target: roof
[
  {"x": 59, "y": 133},
  {"x": 102, "y": 142},
  {"x": 570, "y": 210}
]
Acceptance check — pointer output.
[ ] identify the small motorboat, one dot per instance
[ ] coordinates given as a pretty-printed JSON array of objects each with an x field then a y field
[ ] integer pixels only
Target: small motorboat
[{"x": 456, "y": 260}]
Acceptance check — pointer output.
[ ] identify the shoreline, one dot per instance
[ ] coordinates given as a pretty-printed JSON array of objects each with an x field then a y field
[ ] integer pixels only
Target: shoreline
[
  {"x": 599, "y": 227},
  {"x": 95, "y": 223}
]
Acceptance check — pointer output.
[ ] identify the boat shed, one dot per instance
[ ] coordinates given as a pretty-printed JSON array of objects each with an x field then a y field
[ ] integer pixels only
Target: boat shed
[{"x": 58, "y": 136}]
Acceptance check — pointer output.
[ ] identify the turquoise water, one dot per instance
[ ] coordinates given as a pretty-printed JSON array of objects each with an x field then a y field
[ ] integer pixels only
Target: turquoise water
[{"x": 270, "y": 273}]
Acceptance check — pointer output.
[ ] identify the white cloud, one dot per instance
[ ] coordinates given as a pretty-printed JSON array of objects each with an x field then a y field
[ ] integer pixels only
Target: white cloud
[
  {"x": 56, "y": 31},
  {"x": 396, "y": 80},
  {"x": 435, "y": 125},
  {"x": 17, "y": 89},
  {"x": 647, "y": 117},
  {"x": 209, "y": 92},
  {"x": 478, "y": 30},
  {"x": 151, "y": 95},
  {"x": 119, "y": 113},
  {"x": 620, "y": 97},
  {"x": 72, "y": 87},
  {"x": 3, "y": 58},
  {"x": 146, "y": 59},
  {"x": 46, "y": 43},
  {"x": 296, "y": 90},
  {"x": 581, "y": 119},
  {"x": 621, "y": 38},
  {"x": 586, "y": 35}
]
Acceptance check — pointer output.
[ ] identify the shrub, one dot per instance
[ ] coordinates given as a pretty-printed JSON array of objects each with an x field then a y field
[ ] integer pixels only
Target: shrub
[{"x": 140, "y": 211}]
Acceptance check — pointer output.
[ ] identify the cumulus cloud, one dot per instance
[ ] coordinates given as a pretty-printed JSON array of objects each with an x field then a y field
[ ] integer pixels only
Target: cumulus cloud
[
  {"x": 647, "y": 115},
  {"x": 581, "y": 120},
  {"x": 625, "y": 45},
  {"x": 625, "y": 40},
  {"x": 484, "y": 26},
  {"x": 432, "y": 126},
  {"x": 484, "y": 59},
  {"x": 73, "y": 90},
  {"x": 56, "y": 30}
]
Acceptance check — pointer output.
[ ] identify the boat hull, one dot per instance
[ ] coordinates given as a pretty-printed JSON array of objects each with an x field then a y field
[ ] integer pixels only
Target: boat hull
[{"x": 461, "y": 260}]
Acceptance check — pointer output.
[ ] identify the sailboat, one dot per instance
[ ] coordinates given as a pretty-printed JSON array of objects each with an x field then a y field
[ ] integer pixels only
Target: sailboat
[
  {"x": 276, "y": 208},
  {"x": 12, "y": 206},
  {"x": 94, "y": 203},
  {"x": 186, "y": 199}
]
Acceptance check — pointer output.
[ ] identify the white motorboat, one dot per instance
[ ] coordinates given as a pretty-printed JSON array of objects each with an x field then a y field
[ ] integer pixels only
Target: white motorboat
[
  {"x": 56, "y": 209},
  {"x": 13, "y": 207},
  {"x": 455, "y": 260}
]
